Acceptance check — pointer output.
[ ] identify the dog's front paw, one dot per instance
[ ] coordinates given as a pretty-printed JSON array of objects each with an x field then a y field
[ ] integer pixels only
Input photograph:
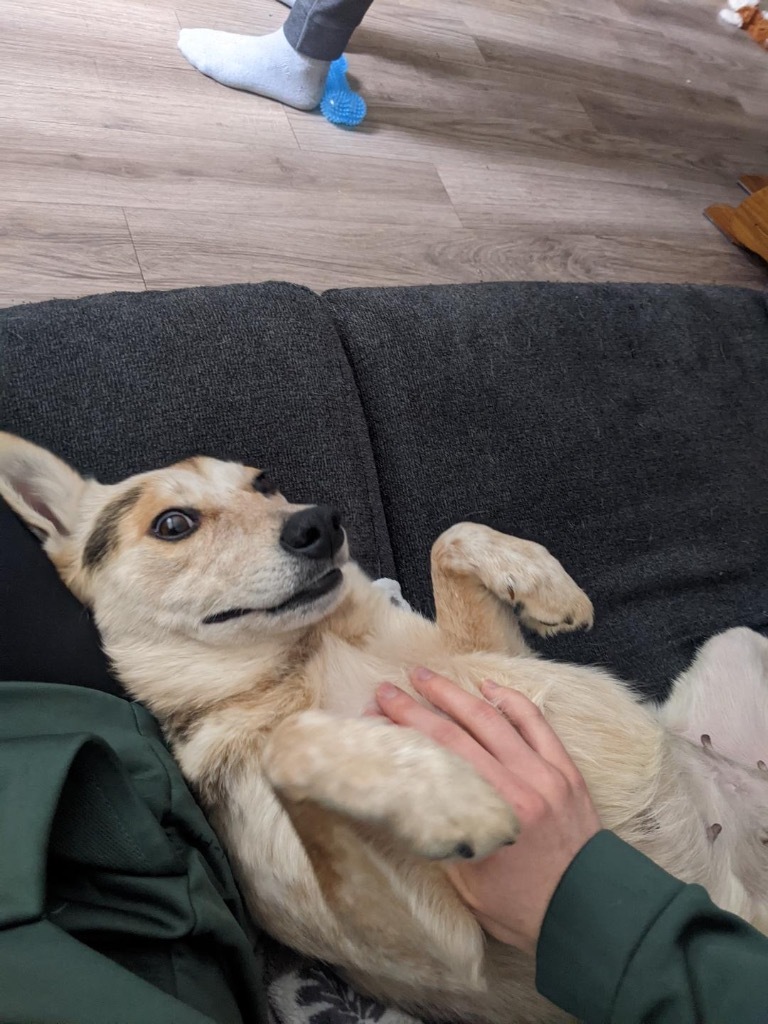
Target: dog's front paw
[
  {"x": 452, "y": 813},
  {"x": 430, "y": 800},
  {"x": 519, "y": 572},
  {"x": 300, "y": 757}
]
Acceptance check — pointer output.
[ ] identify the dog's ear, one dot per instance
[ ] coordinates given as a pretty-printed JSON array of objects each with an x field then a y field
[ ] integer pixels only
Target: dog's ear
[{"x": 41, "y": 489}]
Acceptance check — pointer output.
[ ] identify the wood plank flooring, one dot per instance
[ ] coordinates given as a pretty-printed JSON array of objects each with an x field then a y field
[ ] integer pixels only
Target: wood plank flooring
[{"x": 506, "y": 139}]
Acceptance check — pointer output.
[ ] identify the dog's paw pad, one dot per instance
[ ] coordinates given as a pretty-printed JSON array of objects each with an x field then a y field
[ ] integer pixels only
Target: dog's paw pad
[{"x": 551, "y": 610}]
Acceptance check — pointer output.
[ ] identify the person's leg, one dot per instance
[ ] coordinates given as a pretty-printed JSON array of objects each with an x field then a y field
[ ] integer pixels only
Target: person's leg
[
  {"x": 289, "y": 65},
  {"x": 321, "y": 29}
]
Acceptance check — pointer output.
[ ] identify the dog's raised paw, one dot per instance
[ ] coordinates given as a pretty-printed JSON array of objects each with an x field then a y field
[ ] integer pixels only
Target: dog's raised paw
[
  {"x": 521, "y": 573},
  {"x": 546, "y": 610}
]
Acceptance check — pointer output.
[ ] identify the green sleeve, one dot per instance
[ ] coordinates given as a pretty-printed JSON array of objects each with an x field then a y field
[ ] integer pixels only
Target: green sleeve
[
  {"x": 625, "y": 942},
  {"x": 116, "y": 902}
]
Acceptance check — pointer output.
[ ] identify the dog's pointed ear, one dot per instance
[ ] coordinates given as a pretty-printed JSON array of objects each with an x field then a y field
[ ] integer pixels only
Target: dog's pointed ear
[{"x": 41, "y": 489}]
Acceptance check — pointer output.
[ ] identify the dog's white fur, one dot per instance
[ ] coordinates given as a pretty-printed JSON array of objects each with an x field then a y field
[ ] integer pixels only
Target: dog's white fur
[{"x": 337, "y": 824}]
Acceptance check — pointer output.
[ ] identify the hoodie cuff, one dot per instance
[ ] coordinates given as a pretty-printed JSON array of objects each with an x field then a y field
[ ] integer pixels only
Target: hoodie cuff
[{"x": 605, "y": 903}]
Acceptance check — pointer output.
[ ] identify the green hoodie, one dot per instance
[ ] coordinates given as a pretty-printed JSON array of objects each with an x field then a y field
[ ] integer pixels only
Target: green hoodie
[
  {"x": 624, "y": 942},
  {"x": 117, "y": 905}
]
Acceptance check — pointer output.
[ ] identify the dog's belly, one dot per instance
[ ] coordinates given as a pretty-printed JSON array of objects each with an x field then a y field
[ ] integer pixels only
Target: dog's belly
[
  {"x": 623, "y": 753},
  {"x": 719, "y": 710},
  {"x": 616, "y": 741}
]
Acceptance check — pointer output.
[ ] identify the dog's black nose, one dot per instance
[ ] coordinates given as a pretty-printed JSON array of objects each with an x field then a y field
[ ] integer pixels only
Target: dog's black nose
[{"x": 313, "y": 533}]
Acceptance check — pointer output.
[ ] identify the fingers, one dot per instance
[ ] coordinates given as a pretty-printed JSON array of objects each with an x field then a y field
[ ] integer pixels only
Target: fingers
[
  {"x": 511, "y": 729},
  {"x": 373, "y": 710},
  {"x": 530, "y": 724},
  {"x": 477, "y": 717},
  {"x": 404, "y": 710}
]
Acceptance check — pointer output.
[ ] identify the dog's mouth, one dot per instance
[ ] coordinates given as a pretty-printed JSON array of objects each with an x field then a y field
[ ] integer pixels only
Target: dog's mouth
[{"x": 318, "y": 588}]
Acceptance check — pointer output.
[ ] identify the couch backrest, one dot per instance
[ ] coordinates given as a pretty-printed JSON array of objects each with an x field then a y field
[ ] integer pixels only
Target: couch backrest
[{"x": 622, "y": 426}]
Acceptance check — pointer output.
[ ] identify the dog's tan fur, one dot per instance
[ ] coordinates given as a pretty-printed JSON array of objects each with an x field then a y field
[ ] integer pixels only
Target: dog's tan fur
[{"x": 337, "y": 824}]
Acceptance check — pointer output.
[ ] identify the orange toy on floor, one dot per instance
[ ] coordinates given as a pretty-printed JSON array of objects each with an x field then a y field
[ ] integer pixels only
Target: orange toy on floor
[{"x": 749, "y": 17}]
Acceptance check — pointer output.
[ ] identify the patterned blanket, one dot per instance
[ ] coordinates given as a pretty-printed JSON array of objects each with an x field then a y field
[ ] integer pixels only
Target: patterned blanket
[{"x": 302, "y": 991}]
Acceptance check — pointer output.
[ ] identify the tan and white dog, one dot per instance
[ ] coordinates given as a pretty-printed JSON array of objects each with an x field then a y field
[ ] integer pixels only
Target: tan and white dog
[{"x": 241, "y": 622}]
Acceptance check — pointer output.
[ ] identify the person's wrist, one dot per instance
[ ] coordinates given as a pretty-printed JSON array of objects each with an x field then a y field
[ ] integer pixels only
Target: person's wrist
[{"x": 526, "y": 943}]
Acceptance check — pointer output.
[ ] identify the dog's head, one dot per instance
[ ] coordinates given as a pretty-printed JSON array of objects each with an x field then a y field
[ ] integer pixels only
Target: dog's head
[{"x": 204, "y": 549}]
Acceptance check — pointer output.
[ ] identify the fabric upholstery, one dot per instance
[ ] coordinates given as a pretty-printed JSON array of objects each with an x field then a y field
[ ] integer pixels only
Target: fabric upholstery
[{"x": 623, "y": 426}]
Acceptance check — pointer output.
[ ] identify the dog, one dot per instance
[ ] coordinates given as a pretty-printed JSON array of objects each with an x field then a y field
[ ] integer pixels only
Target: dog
[{"x": 242, "y": 623}]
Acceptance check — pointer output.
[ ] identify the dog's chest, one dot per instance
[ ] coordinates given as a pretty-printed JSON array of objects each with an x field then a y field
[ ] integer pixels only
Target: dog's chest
[{"x": 349, "y": 677}]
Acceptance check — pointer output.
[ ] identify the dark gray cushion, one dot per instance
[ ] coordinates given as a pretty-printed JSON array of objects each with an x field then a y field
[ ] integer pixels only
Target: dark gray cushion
[
  {"x": 623, "y": 426},
  {"x": 620, "y": 425},
  {"x": 122, "y": 383}
]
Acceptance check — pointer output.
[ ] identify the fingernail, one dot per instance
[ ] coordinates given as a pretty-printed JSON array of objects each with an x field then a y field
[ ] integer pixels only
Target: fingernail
[
  {"x": 488, "y": 686},
  {"x": 387, "y": 691},
  {"x": 422, "y": 674}
]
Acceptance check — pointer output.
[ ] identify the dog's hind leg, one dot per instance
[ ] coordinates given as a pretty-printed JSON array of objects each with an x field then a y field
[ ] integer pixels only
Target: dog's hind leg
[
  {"x": 719, "y": 708},
  {"x": 487, "y": 583},
  {"x": 721, "y": 701}
]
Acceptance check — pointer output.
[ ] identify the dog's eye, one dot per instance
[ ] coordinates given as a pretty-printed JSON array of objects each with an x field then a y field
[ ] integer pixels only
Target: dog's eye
[
  {"x": 263, "y": 484},
  {"x": 175, "y": 524}
]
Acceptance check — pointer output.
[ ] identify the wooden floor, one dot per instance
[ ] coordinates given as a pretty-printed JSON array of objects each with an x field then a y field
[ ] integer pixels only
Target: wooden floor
[{"x": 528, "y": 139}]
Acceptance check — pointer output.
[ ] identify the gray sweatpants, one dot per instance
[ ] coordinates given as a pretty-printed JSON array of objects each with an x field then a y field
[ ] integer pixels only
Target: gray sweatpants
[{"x": 322, "y": 28}]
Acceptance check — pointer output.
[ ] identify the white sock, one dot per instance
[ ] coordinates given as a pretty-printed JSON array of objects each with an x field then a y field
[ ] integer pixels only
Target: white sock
[{"x": 267, "y": 65}]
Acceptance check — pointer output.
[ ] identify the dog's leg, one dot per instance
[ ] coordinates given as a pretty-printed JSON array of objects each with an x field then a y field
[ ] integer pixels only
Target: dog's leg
[
  {"x": 486, "y": 583},
  {"x": 431, "y": 802},
  {"x": 721, "y": 701},
  {"x": 720, "y": 707}
]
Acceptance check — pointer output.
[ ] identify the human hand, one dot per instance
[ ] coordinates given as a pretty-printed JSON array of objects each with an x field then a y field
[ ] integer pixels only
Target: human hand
[{"x": 513, "y": 747}]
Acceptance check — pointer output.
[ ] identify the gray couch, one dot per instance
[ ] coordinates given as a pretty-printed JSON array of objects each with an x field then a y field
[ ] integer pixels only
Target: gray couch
[{"x": 624, "y": 427}]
